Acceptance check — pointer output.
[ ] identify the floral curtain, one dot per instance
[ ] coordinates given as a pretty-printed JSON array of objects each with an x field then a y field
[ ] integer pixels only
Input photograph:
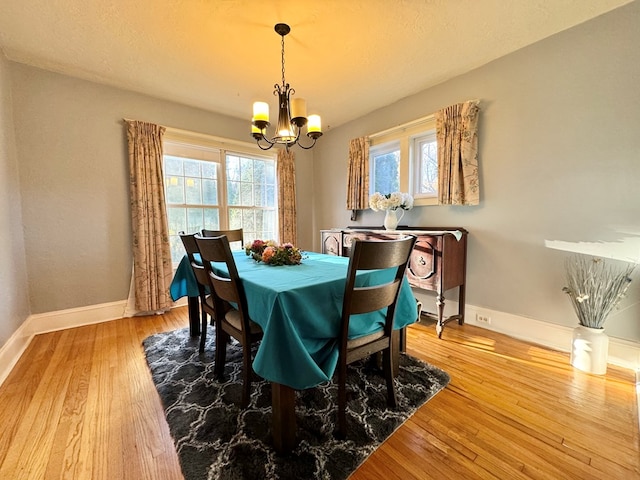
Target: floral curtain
[
  {"x": 358, "y": 174},
  {"x": 152, "y": 270},
  {"x": 287, "y": 217},
  {"x": 457, "y": 135}
]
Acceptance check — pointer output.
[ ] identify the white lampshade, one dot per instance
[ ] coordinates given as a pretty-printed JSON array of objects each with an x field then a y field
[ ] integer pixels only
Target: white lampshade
[
  {"x": 261, "y": 111},
  {"x": 314, "y": 124}
]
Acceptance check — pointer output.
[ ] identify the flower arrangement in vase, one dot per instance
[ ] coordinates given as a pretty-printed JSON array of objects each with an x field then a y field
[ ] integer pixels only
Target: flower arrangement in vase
[
  {"x": 595, "y": 288},
  {"x": 270, "y": 253},
  {"x": 391, "y": 204}
]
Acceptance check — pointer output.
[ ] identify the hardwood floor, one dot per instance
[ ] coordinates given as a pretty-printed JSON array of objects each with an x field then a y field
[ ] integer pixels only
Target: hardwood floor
[{"x": 80, "y": 404}]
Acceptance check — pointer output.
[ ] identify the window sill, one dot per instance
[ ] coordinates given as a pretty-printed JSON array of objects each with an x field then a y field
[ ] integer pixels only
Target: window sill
[{"x": 425, "y": 201}]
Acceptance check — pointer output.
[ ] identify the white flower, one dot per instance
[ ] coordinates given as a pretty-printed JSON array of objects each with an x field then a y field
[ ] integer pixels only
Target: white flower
[
  {"x": 407, "y": 201},
  {"x": 390, "y": 201}
]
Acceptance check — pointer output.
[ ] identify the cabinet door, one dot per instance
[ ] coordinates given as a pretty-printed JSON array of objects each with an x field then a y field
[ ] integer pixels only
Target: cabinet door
[
  {"x": 423, "y": 269},
  {"x": 331, "y": 243}
]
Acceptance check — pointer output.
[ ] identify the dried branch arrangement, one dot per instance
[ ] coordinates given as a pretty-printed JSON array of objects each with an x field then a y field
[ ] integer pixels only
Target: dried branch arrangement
[{"x": 596, "y": 287}]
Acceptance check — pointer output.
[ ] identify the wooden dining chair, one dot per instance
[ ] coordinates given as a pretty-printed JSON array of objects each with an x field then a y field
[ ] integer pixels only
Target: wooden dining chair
[
  {"x": 207, "y": 306},
  {"x": 371, "y": 255},
  {"x": 235, "y": 322},
  {"x": 235, "y": 235}
]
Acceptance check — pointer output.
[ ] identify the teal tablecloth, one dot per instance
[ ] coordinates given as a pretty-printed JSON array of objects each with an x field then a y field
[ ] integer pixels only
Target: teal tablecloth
[{"x": 299, "y": 309}]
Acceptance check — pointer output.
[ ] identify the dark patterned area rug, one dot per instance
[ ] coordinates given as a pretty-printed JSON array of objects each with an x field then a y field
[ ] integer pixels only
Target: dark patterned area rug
[{"x": 215, "y": 439}]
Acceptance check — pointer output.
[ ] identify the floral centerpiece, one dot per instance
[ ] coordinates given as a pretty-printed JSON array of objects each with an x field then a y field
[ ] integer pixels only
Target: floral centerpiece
[
  {"x": 271, "y": 253},
  {"x": 595, "y": 288},
  {"x": 390, "y": 203}
]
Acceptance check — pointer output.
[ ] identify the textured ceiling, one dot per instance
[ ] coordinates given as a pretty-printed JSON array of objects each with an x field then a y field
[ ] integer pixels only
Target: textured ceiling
[{"x": 346, "y": 57}]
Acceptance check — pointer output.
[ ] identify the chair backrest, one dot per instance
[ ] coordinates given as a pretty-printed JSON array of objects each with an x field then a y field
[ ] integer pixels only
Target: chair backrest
[
  {"x": 236, "y": 235},
  {"x": 191, "y": 247},
  {"x": 217, "y": 250},
  {"x": 375, "y": 255}
]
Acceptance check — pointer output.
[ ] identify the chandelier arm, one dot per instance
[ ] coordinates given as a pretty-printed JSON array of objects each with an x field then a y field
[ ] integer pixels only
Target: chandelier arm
[
  {"x": 309, "y": 147},
  {"x": 262, "y": 137},
  {"x": 264, "y": 148}
]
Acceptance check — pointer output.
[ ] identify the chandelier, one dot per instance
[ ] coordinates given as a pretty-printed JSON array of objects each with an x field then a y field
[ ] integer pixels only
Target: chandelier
[{"x": 292, "y": 114}]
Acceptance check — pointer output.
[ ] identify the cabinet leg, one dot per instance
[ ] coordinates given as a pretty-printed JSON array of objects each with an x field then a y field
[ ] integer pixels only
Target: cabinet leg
[{"x": 440, "y": 322}]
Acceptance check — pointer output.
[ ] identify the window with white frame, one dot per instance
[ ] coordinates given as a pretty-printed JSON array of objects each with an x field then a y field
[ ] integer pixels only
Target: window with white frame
[
  {"x": 216, "y": 185},
  {"x": 405, "y": 159},
  {"x": 384, "y": 161},
  {"x": 424, "y": 162}
]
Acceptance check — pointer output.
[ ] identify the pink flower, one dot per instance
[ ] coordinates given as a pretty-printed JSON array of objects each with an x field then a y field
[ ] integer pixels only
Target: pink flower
[{"x": 257, "y": 245}]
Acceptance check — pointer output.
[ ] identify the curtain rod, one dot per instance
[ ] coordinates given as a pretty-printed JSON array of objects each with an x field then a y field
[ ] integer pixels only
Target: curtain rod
[
  {"x": 404, "y": 125},
  {"x": 412, "y": 123},
  {"x": 219, "y": 141}
]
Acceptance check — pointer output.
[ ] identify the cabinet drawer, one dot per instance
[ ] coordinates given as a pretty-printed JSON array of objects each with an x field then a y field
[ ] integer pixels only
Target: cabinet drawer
[{"x": 424, "y": 265}]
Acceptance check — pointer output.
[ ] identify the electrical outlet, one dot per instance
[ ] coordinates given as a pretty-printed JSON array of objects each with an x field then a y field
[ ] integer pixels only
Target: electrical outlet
[{"x": 483, "y": 319}]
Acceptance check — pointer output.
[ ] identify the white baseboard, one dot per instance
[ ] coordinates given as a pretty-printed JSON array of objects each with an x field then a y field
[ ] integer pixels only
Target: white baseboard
[
  {"x": 75, "y": 317},
  {"x": 13, "y": 349},
  {"x": 623, "y": 353}
]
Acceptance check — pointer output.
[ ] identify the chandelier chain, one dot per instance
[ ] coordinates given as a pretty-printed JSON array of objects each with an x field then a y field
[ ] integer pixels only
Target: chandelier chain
[{"x": 283, "y": 81}]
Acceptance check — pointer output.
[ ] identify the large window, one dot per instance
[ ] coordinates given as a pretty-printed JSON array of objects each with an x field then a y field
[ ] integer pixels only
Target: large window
[
  {"x": 218, "y": 188},
  {"x": 251, "y": 195},
  {"x": 405, "y": 159}
]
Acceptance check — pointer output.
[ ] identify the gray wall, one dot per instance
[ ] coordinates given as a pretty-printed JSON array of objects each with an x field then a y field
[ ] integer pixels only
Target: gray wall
[
  {"x": 14, "y": 290},
  {"x": 74, "y": 180},
  {"x": 560, "y": 160}
]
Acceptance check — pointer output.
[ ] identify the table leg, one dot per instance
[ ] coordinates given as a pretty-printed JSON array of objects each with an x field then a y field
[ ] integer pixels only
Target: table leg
[
  {"x": 403, "y": 340},
  {"x": 461, "y": 300},
  {"x": 194, "y": 316},
  {"x": 283, "y": 408},
  {"x": 395, "y": 351}
]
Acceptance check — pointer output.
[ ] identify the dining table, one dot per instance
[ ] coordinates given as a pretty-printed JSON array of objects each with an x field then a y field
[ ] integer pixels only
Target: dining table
[{"x": 299, "y": 308}]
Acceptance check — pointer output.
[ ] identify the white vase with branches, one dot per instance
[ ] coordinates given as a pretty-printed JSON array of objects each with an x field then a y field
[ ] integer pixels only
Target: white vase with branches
[{"x": 595, "y": 289}]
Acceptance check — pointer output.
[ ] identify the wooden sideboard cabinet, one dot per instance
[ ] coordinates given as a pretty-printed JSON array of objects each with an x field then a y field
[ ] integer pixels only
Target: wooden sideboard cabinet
[{"x": 438, "y": 261}]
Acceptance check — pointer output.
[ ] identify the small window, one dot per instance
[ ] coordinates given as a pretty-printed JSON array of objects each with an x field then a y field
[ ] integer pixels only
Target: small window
[
  {"x": 424, "y": 158},
  {"x": 405, "y": 159},
  {"x": 385, "y": 167}
]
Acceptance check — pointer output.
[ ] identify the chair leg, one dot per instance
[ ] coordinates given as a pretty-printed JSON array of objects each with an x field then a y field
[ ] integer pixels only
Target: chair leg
[
  {"x": 387, "y": 360},
  {"x": 247, "y": 371},
  {"x": 341, "y": 432},
  {"x": 222, "y": 338},
  {"x": 203, "y": 330}
]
